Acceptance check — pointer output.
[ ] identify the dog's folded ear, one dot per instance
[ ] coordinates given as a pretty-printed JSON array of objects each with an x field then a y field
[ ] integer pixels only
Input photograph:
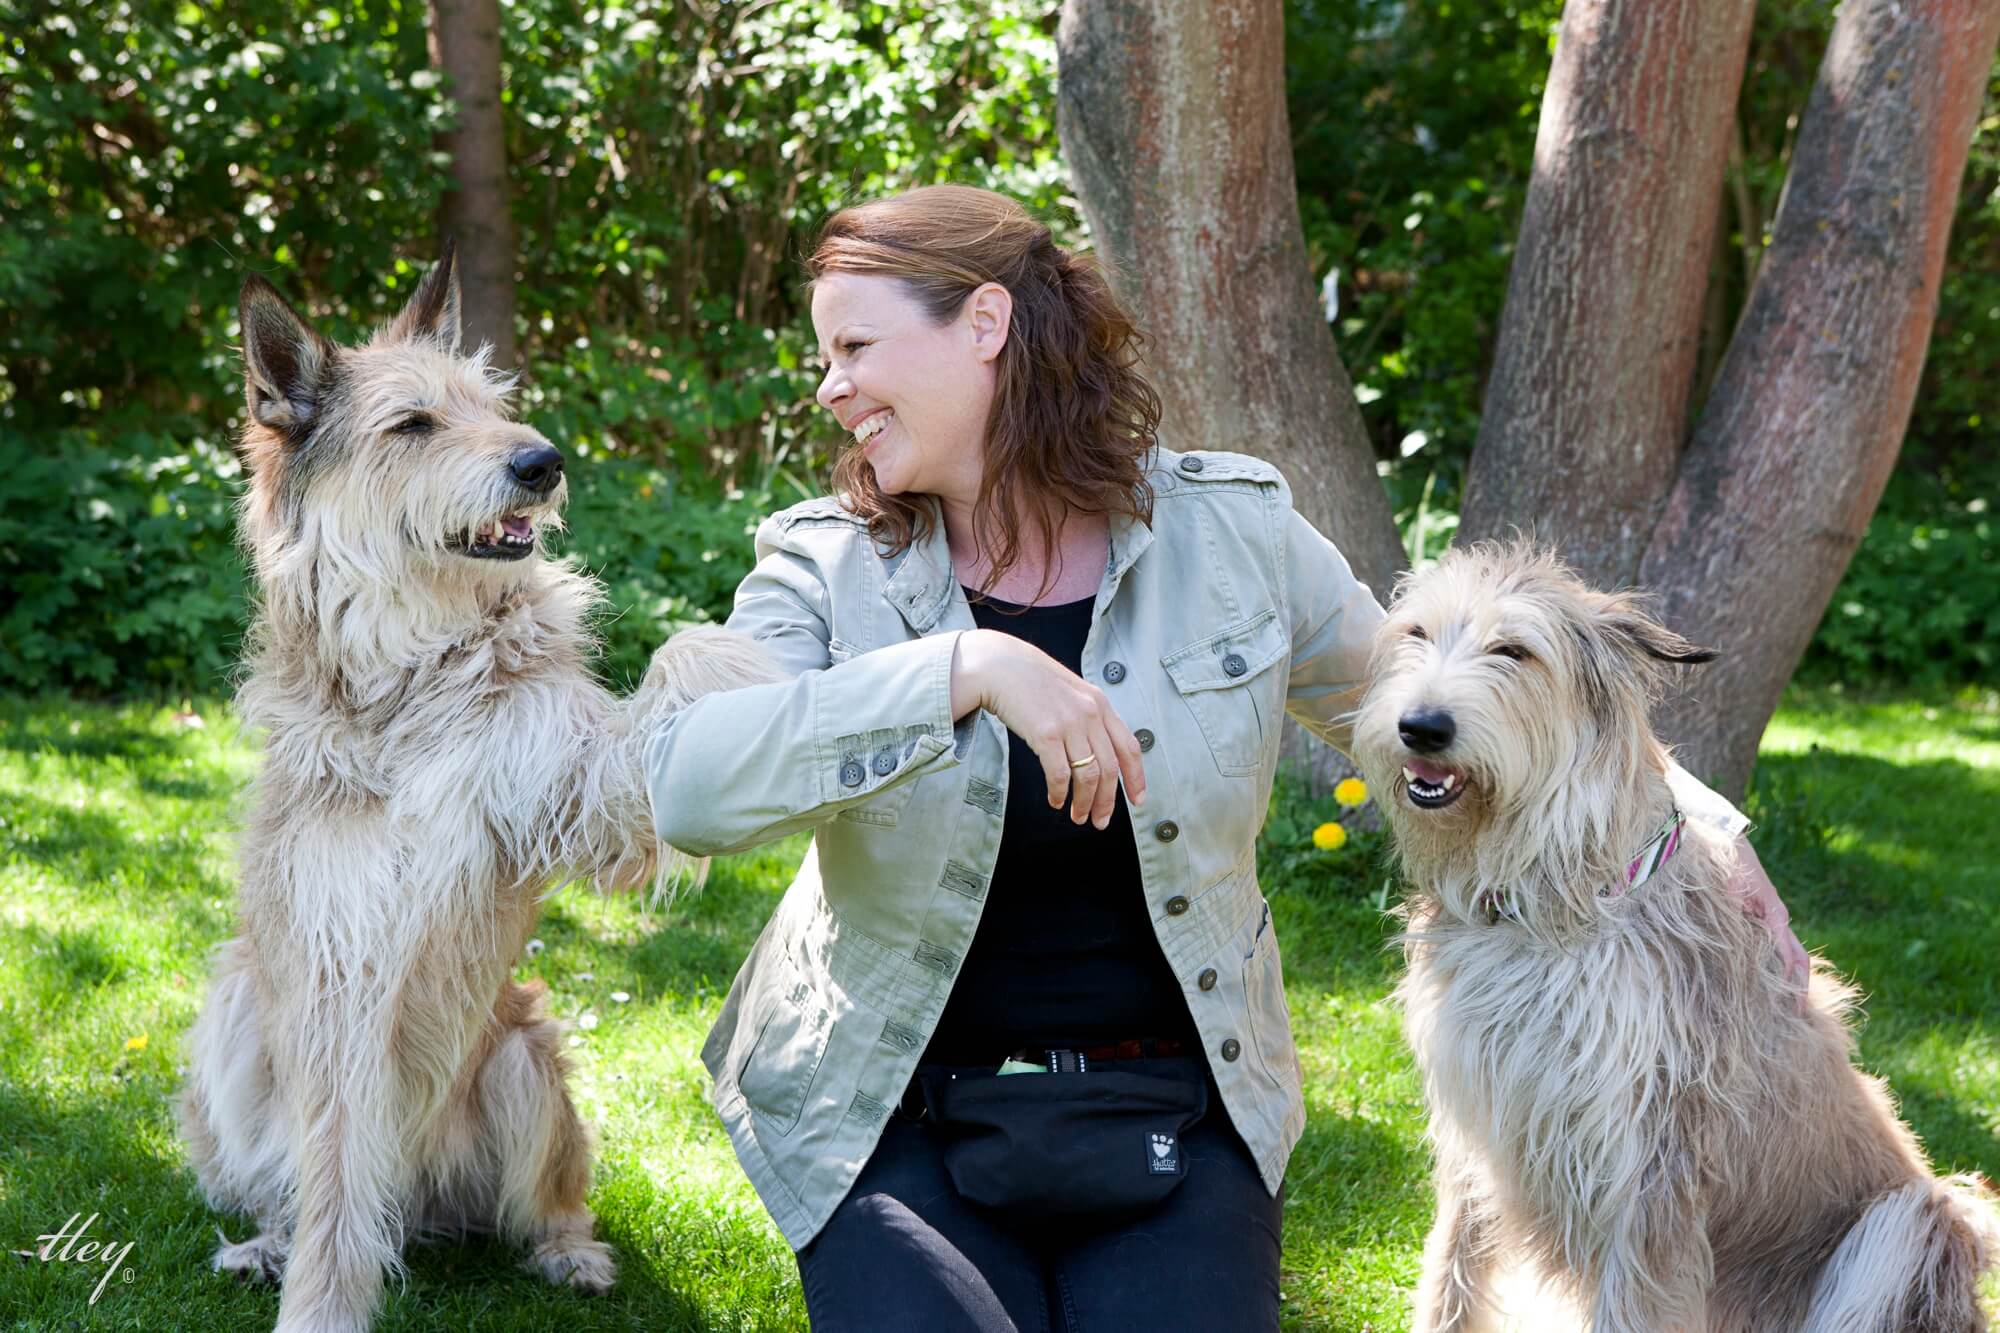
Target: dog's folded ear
[
  {"x": 434, "y": 311},
  {"x": 285, "y": 361},
  {"x": 1656, "y": 640}
]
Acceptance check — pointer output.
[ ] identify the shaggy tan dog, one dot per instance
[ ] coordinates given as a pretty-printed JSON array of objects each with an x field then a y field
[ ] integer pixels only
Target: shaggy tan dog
[
  {"x": 1626, "y": 1095},
  {"x": 436, "y": 755}
]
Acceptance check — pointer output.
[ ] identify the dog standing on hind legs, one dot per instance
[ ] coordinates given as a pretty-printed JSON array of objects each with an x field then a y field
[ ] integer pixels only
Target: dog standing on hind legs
[
  {"x": 436, "y": 754},
  {"x": 1626, "y": 1095}
]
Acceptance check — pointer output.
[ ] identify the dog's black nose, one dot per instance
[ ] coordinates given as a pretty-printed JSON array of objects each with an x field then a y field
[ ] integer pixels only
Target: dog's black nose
[
  {"x": 538, "y": 468},
  {"x": 1427, "y": 731}
]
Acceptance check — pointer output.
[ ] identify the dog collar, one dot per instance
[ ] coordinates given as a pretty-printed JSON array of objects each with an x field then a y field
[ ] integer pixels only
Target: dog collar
[{"x": 1494, "y": 905}]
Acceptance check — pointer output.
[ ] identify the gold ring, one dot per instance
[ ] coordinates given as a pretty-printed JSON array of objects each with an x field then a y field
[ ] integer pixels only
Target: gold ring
[{"x": 1084, "y": 762}]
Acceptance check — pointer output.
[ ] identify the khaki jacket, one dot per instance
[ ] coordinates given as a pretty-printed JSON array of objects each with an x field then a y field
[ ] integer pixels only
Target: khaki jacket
[{"x": 1228, "y": 613}]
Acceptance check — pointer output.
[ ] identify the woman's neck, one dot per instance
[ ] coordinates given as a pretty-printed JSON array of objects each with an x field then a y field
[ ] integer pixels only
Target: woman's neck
[{"x": 1069, "y": 571}]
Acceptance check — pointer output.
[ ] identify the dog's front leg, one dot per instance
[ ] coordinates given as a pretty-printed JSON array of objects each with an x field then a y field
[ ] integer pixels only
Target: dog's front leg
[
  {"x": 1455, "y": 1292},
  {"x": 610, "y": 808},
  {"x": 1655, "y": 1269},
  {"x": 347, "y": 1213}
]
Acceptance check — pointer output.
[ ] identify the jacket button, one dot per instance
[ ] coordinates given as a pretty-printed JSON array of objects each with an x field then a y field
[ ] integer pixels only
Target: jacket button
[
  {"x": 885, "y": 762},
  {"x": 852, "y": 774},
  {"x": 1145, "y": 739},
  {"x": 1234, "y": 665},
  {"x": 1114, "y": 672},
  {"x": 1166, "y": 830},
  {"x": 1176, "y": 905},
  {"x": 1190, "y": 464},
  {"x": 1207, "y": 979},
  {"x": 1231, "y": 1049}
]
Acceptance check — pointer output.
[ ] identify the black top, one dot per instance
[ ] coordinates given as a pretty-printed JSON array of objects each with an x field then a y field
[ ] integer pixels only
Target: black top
[{"x": 1065, "y": 952}]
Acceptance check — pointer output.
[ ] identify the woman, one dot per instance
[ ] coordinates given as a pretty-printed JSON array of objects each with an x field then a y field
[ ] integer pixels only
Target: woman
[{"x": 1040, "y": 669}]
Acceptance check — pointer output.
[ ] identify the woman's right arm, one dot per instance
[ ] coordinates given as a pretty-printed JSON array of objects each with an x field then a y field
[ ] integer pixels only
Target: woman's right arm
[{"x": 747, "y": 766}]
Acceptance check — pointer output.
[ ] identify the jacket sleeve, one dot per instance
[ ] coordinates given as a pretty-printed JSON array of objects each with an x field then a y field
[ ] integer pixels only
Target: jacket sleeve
[
  {"x": 747, "y": 766},
  {"x": 1334, "y": 616}
]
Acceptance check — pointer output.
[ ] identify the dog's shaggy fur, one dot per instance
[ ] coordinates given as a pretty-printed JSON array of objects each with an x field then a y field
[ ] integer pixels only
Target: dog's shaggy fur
[
  {"x": 1626, "y": 1093},
  {"x": 436, "y": 754}
]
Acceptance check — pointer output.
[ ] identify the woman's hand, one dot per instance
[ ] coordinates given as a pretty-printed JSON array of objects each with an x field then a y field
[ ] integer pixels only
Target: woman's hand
[
  {"x": 1760, "y": 899},
  {"x": 1064, "y": 718}
]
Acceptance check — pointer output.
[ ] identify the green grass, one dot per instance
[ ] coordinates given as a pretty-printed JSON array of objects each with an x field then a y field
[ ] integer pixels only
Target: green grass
[{"x": 1877, "y": 818}]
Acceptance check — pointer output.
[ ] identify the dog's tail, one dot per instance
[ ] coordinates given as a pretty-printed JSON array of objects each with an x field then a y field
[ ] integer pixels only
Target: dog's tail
[
  {"x": 1912, "y": 1262},
  {"x": 699, "y": 660}
]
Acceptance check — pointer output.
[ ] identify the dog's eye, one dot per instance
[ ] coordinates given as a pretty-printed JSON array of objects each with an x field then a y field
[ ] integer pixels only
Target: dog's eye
[
  {"x": 1513, "y": 652},
  {"x": 1417, "y": 632},
  {"x": 419, "y": 423}
]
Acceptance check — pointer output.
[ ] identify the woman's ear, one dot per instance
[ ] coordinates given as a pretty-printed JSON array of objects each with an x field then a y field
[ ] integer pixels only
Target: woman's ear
[{"x": 989, "y": 313}]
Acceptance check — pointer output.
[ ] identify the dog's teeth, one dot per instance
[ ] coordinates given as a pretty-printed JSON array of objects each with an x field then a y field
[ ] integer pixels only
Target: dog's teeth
[
  {"x": 1450, "y": 778},
  {"x": 1409, "y": 774}
]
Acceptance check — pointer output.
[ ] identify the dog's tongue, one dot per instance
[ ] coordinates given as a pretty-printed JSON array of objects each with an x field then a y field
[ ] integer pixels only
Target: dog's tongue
[
  {"x": 517, "y": 525},
  {"x": 1434, "y": 774}
]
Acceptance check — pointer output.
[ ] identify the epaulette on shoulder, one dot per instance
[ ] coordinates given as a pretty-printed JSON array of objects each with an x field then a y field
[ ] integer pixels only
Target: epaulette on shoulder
[
  {"x": 1216, "y": 465},
  {"x": 818, "y": 511}
]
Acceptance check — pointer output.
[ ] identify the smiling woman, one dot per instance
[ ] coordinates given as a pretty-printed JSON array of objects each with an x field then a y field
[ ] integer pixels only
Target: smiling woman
[{"x": 1014, "y": 1050}]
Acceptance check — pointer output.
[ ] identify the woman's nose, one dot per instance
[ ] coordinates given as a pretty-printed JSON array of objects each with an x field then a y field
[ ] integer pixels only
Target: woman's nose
[{"x": 833, "y": 388}]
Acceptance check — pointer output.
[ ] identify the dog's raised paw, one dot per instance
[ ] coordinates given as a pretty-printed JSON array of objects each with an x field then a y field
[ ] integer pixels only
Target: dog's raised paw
[
  {"x": 583, "y": 1264},
  {"x": 259, "y": 1259}
]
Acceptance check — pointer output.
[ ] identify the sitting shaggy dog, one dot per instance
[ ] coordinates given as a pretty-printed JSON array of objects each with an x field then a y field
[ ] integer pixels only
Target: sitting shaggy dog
[
  {"x": 436, "y": 754},
  {"x": 1626, "y": 1094}
]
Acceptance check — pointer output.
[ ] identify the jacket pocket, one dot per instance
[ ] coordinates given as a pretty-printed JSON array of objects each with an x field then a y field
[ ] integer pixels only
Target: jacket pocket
[
  {"x": 1270, "y": 1017},
  {"x": 791, "y": 1042},
  {"x": 1226, "y": 682}
]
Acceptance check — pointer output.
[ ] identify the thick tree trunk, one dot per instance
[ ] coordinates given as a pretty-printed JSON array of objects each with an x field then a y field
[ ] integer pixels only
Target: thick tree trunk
[
  {"x": 1808, "y": 410},
  {"x": 1172, "y": 115},
  {"x": 465, "y": 47},
  {"x": 1586, "y": 408}
]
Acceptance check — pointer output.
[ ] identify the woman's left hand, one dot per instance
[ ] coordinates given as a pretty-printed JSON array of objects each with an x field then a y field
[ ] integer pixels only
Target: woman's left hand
[{"x": 1760, "y": 899}]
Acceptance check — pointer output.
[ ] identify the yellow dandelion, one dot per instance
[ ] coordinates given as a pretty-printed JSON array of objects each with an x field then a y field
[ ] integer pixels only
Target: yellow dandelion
[
  {"x": 1350, "y": 792},
  {"x": 646, "y": 491},
  {"x": 1329, "y": 837},
  {"x": 137, "y": 1043}
]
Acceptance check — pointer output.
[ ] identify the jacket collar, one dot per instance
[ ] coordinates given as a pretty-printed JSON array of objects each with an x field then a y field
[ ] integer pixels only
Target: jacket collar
[{"x": 923, "y": 583}]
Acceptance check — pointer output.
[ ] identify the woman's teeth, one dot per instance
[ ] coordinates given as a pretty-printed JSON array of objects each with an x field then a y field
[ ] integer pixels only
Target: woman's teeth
[{"x": 872, "y": 427}]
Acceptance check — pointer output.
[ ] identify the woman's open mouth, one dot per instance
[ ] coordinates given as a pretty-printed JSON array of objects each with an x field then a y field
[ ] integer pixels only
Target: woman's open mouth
[
  {"x": 1432, "y": 786},
  {"x": 872, "y": 425},
  {"x": 509, "y": 537}
]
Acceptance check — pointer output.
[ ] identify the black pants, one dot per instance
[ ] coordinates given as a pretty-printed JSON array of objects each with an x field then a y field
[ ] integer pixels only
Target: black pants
[{"x": 905, "y": 1252}]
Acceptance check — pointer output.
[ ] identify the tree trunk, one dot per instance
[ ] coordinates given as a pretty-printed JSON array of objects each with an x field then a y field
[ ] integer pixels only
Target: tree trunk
[
  {"x": 1172, "y": 116},
  {"x": 465, "y": 48},
  {"x": 1810, "y": 405},
  {"x": 1587, "y": 406}
]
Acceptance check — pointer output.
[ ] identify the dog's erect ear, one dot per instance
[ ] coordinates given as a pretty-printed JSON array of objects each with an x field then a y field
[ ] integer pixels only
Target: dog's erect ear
[
  {"x": 1655, "y": 640},
  {"x": 284, "y": 360},
  {"x": 433, "y": 311}
]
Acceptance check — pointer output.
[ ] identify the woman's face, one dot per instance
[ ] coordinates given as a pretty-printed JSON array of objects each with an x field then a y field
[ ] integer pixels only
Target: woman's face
[{"x": 912, "y": 393}]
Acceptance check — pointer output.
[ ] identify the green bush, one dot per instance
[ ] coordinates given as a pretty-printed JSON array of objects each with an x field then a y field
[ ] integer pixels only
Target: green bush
[{"x": 1921, "y": 599}]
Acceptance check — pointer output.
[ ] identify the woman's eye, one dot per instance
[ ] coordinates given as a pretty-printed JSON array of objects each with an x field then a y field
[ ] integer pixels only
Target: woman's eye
[
  {"x": 420, "y": 424},
  {"x": 852, "y": 347},
  {"x": 1513, "y": 652}
]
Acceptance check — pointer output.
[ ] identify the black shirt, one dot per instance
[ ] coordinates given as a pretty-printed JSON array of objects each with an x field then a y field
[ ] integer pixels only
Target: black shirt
[{"x": 1065, "y": 953}]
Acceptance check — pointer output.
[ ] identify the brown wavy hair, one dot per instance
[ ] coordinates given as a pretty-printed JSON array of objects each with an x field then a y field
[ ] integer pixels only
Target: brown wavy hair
[{"x": 1072, "y": 418}]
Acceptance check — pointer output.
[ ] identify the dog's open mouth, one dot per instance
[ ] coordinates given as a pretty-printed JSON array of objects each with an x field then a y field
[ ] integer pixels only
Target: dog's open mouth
[
  {"x": 509, "y": 537},
  {"x": 1432, "y": 786}
]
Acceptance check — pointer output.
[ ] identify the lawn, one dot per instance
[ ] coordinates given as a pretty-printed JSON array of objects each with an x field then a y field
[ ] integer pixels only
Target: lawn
[{"x": 1879, "y": 818}]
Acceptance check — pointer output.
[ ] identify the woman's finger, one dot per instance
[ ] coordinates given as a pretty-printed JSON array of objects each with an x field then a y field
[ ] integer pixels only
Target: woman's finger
[
  {"x": 1054, "y": 754},
  {"x": 1105, "y": 799},
  {"x": 1086, "y": 771},
  {"x": 1126, "y": 753}
]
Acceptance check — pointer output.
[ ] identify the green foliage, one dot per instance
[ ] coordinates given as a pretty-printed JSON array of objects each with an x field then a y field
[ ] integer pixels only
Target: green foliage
[
  {"x": 1921, "y": 600},
  {"x": 669, "y": 163}
]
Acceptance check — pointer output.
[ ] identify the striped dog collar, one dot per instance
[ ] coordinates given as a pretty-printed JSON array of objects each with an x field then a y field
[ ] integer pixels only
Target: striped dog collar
[{"x": 1494, "y": 906}]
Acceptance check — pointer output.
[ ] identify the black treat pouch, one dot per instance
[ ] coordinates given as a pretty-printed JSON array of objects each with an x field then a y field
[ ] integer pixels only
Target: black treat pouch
[{"x": 1090, "y": 1147}]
